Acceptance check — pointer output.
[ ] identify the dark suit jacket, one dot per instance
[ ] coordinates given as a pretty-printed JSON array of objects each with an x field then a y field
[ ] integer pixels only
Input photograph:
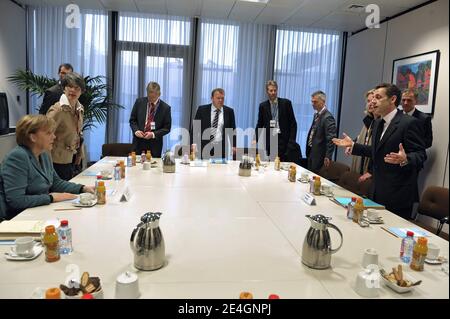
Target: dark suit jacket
[
  {"x": 395, "y": 186},
  {"x": 425, "y": 123},
  {"x": 163, "y": 124},
  {"x": 25, "y": 182},
  {"x": 51, "y": 96},
  {"x": 287, "y": 144},
  {"x": 322, "y": 144},
  {"x": 203, "y": 115}
]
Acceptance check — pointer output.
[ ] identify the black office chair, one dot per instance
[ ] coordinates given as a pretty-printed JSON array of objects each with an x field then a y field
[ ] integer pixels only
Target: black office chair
[
  {"x": 350, "y": 180},
  {"x": 117, "y": 149},
  {"x": 334, "y": 171},
  {"x": 434, "y": 203}
]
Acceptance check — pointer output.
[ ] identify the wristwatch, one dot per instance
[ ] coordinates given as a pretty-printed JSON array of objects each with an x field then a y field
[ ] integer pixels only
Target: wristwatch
[{"x": 405, "y": 162}]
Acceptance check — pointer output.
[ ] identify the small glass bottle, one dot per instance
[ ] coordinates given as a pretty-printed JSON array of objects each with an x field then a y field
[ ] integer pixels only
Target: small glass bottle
[
  {"x": 358, "y": 209},
  {"x": 292, "y": 174},
  {"x": 65, "y": 238},
  {"x": 311, "y": 185},
  {"x": 99, "y": 178},
  {"x": 122, "y": 169},
  {"x": 101, "y": 193},
  {"x": 350, "y": 208},
  {"x": 116, "y": 174},
  {"x": 129, "y": 160},
  {"x": 257, "y": 161},
  {"x": 148, "y": 156},
  {"x": 419, "y": 254},
  {"x": 51, "y": 244},
  {"x": 407, "y": 247},
  {"x": 143, "y": 157},
  {"x": 133, "y": 158},
  {"x": 317, "y": 185},
  {"x": 277, "y": 163}
]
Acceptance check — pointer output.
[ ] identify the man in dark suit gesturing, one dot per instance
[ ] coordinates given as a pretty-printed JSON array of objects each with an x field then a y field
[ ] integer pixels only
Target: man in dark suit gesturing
[
  {"x": 397, "y": 152},
  {"x": 214, "y": 126},
  {"x": 150, "y": 120},
  {"x": 53, "y": 94},
  {"x": 276, "y": 119},
  {"x": 319, "y": 145}
]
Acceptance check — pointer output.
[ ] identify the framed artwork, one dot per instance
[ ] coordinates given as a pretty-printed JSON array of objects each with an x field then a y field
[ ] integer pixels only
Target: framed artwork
[{"x": 418, "y": 72}]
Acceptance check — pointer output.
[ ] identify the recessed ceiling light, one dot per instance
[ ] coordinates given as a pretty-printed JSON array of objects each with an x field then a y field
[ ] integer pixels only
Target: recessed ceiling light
[{"x": 260, "y": 1}]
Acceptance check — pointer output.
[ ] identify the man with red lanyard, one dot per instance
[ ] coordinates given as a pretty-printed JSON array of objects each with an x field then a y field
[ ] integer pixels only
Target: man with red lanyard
[{"x": 150, "y": 120}]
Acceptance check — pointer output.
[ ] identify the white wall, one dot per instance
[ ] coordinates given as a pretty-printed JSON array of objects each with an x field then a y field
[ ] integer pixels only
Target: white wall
[
  {"x": 369, "y": 60},
  {"x": 12, "y": 55}
]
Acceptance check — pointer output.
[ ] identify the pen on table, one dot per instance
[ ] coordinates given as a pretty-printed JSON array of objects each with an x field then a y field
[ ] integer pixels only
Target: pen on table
[
  {"x": 59, "y": 209},
  {"x": 386, "y": 230}
]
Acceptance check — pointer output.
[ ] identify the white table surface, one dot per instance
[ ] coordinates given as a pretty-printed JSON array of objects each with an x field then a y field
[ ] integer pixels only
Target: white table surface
[{"x": 223, "y": 233}]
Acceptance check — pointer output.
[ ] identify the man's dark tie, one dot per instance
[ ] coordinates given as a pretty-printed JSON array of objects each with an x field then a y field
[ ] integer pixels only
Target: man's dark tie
[
  {"x": 150, "y": 117},
  {"x": 313, "y": 129},
  {"x": 214, "y": 125},
  {"x": 379, "y": 131}
]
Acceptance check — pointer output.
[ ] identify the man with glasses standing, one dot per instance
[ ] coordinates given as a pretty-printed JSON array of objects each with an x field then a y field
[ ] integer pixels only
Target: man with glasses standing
[
  {"x": 150, "y": 120},
  {"x": 52, "y": 95}
]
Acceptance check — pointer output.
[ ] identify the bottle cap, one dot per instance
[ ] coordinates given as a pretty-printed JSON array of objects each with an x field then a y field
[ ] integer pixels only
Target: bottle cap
[
  {"x": 359, "y": 200},
  {"x": 87, "y": 296},
  {"x": 409, "y": 233},
  {"x": 64, "y": 222},
  {"x": 99, "y": 176},
  {"x": 245, "y": 295},
  {"x": 49, "y": 229},
  {"x": 53, "y": 293},
  {"x": 318, "y": 178},
  {"x": 353, "y": 199},
  {"x": 274, "y": 296}
]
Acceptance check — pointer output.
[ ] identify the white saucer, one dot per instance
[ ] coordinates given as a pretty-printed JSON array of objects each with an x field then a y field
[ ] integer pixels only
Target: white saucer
[
  {"x": 78, "y": 204},
  {"x": 37, "y": 250},
  {"x": 376, "y": 221},
  {"x": 303, "y": 181},
  {"x": 434, "y": 261}
]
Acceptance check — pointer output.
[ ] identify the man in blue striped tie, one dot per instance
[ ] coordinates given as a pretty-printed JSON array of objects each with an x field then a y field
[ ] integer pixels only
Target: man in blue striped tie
[{"x": 213, "y": 127}]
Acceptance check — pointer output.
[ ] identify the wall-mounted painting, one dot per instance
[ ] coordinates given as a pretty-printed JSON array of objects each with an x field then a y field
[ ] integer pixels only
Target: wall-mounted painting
[{"x": 418, "y": 72}]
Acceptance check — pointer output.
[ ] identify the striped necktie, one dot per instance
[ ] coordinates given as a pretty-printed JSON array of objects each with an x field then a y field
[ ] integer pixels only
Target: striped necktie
[{"x": 214, "y": 125}]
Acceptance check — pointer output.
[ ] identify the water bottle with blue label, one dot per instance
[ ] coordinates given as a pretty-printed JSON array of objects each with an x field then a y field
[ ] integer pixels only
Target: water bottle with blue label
[{"x": 65, "y": 238}]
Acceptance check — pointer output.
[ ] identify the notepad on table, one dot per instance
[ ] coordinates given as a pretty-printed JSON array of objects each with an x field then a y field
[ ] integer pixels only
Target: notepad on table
[
  {"x": 344, "y": 201},
  {"x": 401, "y": 232},
  {"x": 11, "y": 229}
]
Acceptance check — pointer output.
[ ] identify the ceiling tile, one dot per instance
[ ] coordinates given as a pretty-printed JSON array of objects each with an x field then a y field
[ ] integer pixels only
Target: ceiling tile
[
  {"x": 90, "y": 4},
  {"x": 217, "y": 8},
  {"x": 274, "y": 15},
  {"x": 286, "y": 3},
  {"x": 246, "y": 11},
  {"x": 154, "y": 6},
  {"x": 190, "y": 8},
  {"x": 119, "y": 5}
]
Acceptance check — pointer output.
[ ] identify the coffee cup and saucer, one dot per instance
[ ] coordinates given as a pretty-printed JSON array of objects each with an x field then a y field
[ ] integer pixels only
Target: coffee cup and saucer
[
  {"x": 86, "y": 200},
  {"x": 433, "y": 257},
  {"x": 304, "y": 178},
  {"x": 25, "y": 248}
]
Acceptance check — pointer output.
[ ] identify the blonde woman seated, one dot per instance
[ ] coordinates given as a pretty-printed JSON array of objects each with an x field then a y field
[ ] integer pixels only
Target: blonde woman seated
[{"x": 27, "y": 176}]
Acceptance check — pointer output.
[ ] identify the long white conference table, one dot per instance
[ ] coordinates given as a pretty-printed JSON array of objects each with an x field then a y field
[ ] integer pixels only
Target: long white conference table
[{"x": 223, "y": 233}]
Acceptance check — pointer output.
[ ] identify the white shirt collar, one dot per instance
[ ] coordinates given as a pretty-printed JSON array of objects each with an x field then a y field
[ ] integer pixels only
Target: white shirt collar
[
  {"x": 322, "y": 110},
  {"x": 388, "y": 117},
  {"x": 410, "y": 112},
  {"x": 274, "y": 102},
  {"x": 63, "y": 100}
]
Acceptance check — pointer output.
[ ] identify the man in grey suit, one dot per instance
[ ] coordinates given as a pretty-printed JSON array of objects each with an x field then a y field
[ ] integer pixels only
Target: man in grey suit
[{"x": 319, "y": 145}]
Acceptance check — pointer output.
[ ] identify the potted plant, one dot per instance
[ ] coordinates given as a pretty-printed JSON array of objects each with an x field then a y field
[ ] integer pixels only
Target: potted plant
[{"x": 97, "y": 99}]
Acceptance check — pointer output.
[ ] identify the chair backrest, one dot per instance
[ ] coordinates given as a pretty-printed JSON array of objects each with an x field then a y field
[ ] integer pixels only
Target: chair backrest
[
  {"x": 434, "y": 202},
  {"x": 117, "y": 149},
  {"x": 334, "y": 171},
  {"x": 350, "y": 180}
]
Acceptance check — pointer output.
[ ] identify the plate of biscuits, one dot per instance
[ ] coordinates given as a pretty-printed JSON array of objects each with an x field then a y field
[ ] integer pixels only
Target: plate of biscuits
[
  {"x": 87, "y": 285},
  {"x": 399, "y": 281}
]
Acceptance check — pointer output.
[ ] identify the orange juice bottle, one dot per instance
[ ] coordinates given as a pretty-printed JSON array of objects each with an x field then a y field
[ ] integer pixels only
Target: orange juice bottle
[
  {"x": 53, "y": 293},
  {"x": 51, "y": 243},
  {"x": 358, "y": 209},
  {"x": 148, "y": 156},
  {"x": 317, "y": 185},
  {"x": 101, "y": 193},
  {"x": 122, "y": 169},
  {"x": 133, "y": 158},
  {"x": 419, "y": 254}
]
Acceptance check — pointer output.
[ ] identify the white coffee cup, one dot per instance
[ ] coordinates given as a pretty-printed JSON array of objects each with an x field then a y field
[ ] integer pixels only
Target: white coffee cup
[
  {"x": 370, "y": 257},
  {"x": 433, "y": 251},
  {"x": 23, "y": 246},
  {"x": 327, "y": 189},
  {"x": 127, "y": 286},
  {"x": 146, "y": 166},
  {"x": 368, "y": 283},
  {"x": 304, "y": 177},
  {"x": 86, "y": 198},
  {"x": 373, "y": 214}
]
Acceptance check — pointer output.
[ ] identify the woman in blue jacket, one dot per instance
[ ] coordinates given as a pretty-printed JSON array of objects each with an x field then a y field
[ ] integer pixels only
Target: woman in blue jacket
[{"x": 27, "y": 176}]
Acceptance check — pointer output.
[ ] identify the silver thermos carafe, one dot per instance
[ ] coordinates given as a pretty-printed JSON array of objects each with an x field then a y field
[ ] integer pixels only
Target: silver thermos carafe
[
  {"x": 317, "y": 249},
  {"x": 147, "y": 243}
]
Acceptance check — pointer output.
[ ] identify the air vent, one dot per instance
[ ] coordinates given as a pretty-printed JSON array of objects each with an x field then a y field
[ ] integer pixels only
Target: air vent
[{"x": 356, "y": 8}]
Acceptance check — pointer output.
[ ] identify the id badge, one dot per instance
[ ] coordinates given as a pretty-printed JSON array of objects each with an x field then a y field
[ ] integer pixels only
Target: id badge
[
  {"x": 272, "y": 123},
  {"x": 152, "y": 126}
]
